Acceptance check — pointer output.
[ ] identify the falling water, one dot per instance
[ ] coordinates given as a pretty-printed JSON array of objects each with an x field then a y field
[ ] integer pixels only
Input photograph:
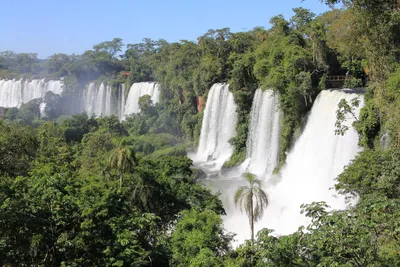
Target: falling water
[
  {"x": 218, "y": 127},
  {"x": 121, "y": 101},
  {"x": 140, "y": 89},
  {"x": 42, "y": 108},
  {"x": 316, "y": 159},
  {"x": 263, "y": 140},
  {"x": 13, "y": 93},
  {"x": 98, "y": 100}
]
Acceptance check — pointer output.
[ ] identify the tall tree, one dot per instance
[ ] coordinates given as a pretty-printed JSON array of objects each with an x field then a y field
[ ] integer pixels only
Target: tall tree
[
  {"x": 123, "y": 160},
  {"x": 252, "y": 199}
]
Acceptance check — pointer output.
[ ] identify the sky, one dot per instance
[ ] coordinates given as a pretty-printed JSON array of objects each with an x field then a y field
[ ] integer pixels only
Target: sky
[{"x": 73, "y": 26}]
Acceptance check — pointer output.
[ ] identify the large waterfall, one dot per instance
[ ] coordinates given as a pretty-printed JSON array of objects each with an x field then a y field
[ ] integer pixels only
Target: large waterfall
[
  {"x": 263, "y": 138},
  {"x": 140, "y": 89},
  {"x": 218, "y": 127},
  {"x": 13, "y": 93},
  {"x": 316, "y": 159}
]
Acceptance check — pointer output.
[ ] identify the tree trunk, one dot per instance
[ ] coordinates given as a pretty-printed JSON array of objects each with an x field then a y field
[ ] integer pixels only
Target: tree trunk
[
  {"x": 252, "y": 221},
  {"x": 252, "y": 230}
]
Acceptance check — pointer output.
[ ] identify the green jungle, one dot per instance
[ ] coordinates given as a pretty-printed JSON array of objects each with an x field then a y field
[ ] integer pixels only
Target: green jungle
[{"x": 76, "y": 190}]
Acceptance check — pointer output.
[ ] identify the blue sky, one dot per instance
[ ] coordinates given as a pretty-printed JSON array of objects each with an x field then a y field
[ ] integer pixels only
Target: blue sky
[{"x": 73, "y": 26}]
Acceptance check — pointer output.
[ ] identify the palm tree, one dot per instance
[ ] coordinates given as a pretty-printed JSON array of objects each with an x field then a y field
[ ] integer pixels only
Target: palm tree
[
  {"x": 252, "y": 199},
  {"x": 123, "y": 160}
]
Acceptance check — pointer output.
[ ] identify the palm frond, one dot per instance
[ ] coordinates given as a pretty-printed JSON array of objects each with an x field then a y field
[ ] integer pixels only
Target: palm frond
[
  {"x": 248, "y": 205},
  {"x": 239, "y": 194},
  {"x": 249, "y": 177}
]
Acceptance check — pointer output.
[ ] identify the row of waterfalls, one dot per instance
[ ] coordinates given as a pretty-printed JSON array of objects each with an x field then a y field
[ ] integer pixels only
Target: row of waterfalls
[
  {"x": 99, "y": 99},
  {"x": 317, "y": 157},
  {"x": 312, "y": 164}
]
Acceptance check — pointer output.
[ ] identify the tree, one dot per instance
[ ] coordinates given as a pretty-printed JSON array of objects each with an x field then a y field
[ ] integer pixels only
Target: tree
[
  {"x": 302, "y": 18},
  {"x": 146, "y": 105},
  {"x": 252, "y": 199},
  {"x": 199, "y": 239},
  {"x": 18, "y": 146},
  {"x": 56, "y": 63},
  {"x": 123, "y": 160},
  {"x": 111, "y": 47},
  {"x": 345, "y": 111}
]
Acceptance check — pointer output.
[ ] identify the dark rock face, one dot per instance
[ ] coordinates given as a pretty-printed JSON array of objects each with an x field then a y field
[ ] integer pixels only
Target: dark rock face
[{"x": 3, "y": 112}]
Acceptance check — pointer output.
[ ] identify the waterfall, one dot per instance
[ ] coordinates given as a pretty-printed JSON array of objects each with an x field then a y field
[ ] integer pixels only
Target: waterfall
[
  {"x": 121, "y": 101},
  {"x": 14, "y": 93},
  {"x": 98, "y": 100},
  {"x": 317, "y": 158},
  {"x": 137, "y": 90},
  {"x": 218, "y": 127},
  {"x": 263, "y": 138},
  {"x": 312, "y": 166},
  {"x": 42, "y": 109},
  {"x": 54, "y": 86}
]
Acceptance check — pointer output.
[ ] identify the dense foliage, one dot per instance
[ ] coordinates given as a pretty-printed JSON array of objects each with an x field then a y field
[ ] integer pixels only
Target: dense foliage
[{"x": 84, "y": 191}]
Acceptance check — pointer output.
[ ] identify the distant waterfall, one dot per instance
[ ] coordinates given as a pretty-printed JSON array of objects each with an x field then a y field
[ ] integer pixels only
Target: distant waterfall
[
  {"x": 263, "y": 138},
  {"x": 14, "y": 93},
  {"x": 218, "y": 127},
  {"x": 42, "y": 108},
  {"x": 121, "y": 101},
  {"x": 140, "y": 89},
  {"x": 99, "y": 100}
]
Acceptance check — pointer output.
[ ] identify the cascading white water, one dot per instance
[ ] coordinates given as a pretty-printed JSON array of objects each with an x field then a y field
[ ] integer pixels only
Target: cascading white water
[
  {"x": 10, "y": 93},
  {"x": 14, "y": 93},
  {"x": 121, "y": 101},
  {"x": 263, "y": 138},
  {"x": 136, "y": 91},
  {"x": 218, "y": 127},
  {"x": 54, "y": 86},
  {"x": 316, "y": 159},
  {"x": 311, "y": 168},
  {"x": 98, "y": 100},
  {"x": 42, "y": 109}
]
